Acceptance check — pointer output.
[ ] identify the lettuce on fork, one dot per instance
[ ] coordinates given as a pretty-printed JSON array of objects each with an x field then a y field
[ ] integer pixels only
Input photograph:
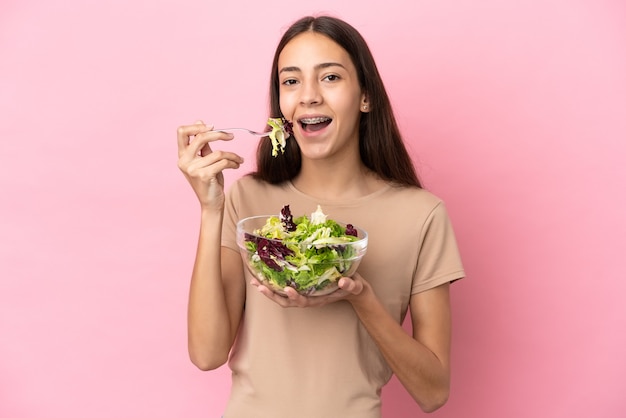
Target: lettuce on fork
[{"x": 281, "y": 130}]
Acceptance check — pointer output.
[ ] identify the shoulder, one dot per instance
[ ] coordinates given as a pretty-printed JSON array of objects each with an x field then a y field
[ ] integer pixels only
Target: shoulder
[
  {"x": 413, "y": 208},
  {"x": 247, "y": 184},
  {"x": 247, "y": 180},
  {"x": 413, "y": 197},
  {"x": 249, "y": 196}
]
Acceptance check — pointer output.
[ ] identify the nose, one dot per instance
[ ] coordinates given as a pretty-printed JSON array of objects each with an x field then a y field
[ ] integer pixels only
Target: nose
[{"x": 310, "y": 93}]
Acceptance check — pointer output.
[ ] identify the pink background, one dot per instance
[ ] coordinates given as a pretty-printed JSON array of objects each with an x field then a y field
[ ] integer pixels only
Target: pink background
[{"x": 514, "y": 110}]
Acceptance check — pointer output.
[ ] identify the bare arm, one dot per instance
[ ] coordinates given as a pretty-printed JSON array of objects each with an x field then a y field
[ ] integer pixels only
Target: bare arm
[
  {"x": 422, "y": 361},
  {"x": 217, "y": 287},
  {"x": 216, "y": 298}
]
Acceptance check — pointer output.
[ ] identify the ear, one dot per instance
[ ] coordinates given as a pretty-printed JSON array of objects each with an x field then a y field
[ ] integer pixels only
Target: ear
[{"x": 365, "y": 106}]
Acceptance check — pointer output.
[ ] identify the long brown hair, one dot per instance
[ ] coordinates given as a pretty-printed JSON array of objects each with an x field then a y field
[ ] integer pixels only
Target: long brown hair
[{"x": 380, "y": 143}]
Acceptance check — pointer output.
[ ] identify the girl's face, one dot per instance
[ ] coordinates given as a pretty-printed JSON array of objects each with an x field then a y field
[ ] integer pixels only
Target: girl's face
[{"x": 321, "y": 95}]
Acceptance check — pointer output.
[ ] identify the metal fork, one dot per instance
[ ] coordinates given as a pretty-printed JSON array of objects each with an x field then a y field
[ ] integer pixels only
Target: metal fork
[{"x": 255, "y": 133}]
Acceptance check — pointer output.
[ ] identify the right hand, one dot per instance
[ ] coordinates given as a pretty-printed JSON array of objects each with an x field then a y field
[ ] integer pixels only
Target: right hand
[{"x": 203, "y": 167}]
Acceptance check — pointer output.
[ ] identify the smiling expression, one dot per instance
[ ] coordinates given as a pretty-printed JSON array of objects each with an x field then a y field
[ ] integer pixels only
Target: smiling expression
[{"x": 320, "y": 93}]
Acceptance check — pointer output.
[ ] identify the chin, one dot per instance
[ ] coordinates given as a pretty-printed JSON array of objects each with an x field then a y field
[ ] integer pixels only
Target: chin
[{"x": 314, "y": 151}]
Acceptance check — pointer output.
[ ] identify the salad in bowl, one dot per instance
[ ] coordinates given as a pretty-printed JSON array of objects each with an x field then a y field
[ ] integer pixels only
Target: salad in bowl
[{"x": 309, "y": 254}]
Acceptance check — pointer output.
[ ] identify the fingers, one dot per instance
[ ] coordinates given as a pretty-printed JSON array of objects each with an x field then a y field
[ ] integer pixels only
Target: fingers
[
  {"x": 194, "y": 139},
  {"x": 216, "y": 158},
  {"x": 296, "y": 298},
  {"x": 185, "y": 133},
  {"x": 270, "y": 294},
  {"x": 206, "y": 168},
  {"x": 195, "y": 154},
  {"x": 200, "y": 143},
  {"x": 293, "y": 299},
  {"x": 202, "y": 166},
  {"x": 352, "y": 285}
]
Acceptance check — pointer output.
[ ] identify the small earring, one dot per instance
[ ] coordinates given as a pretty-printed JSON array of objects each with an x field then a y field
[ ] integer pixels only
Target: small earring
[{"x": 364, "y": 107}]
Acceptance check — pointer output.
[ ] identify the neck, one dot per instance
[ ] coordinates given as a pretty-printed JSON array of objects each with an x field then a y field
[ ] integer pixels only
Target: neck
[{"x": 336, "y": 180}]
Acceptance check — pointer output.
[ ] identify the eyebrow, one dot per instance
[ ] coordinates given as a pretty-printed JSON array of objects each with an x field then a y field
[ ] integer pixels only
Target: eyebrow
[{"x": 317, "y": 67}]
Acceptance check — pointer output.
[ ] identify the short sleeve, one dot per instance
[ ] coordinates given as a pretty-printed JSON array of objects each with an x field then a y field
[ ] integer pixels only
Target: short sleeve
[{"x": 438, "y": 260}]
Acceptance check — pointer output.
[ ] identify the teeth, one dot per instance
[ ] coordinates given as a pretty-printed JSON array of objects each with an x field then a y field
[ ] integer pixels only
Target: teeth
[{"x": 311, "y": 121}]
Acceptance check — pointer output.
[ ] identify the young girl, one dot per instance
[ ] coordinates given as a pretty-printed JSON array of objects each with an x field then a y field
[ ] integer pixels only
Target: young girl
[{"x": 327, "y": 356}]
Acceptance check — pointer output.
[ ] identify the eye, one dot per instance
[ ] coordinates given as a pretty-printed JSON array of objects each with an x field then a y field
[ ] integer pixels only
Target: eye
[
  {"x": 289, "y": 82},
  {"x": 331, "y": 77}
]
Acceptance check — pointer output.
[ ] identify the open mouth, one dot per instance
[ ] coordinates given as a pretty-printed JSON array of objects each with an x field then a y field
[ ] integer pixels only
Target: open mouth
[{"x": 314, "y": 124}]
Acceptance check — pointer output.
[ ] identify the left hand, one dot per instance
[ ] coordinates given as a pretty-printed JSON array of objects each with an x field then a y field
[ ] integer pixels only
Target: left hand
[{"x": 349, "y": 289}]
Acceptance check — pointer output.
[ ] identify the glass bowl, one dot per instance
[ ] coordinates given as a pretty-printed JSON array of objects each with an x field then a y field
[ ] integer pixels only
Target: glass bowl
[{"x": 311, "y": 269}]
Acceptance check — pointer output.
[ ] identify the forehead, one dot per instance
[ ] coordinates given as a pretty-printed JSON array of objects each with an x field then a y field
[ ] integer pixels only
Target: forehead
[{"x": 312, "y": 48}]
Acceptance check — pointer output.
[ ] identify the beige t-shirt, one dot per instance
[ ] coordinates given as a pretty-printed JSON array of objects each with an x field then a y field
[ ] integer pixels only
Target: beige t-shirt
[{"x": 321, "y": 362}]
